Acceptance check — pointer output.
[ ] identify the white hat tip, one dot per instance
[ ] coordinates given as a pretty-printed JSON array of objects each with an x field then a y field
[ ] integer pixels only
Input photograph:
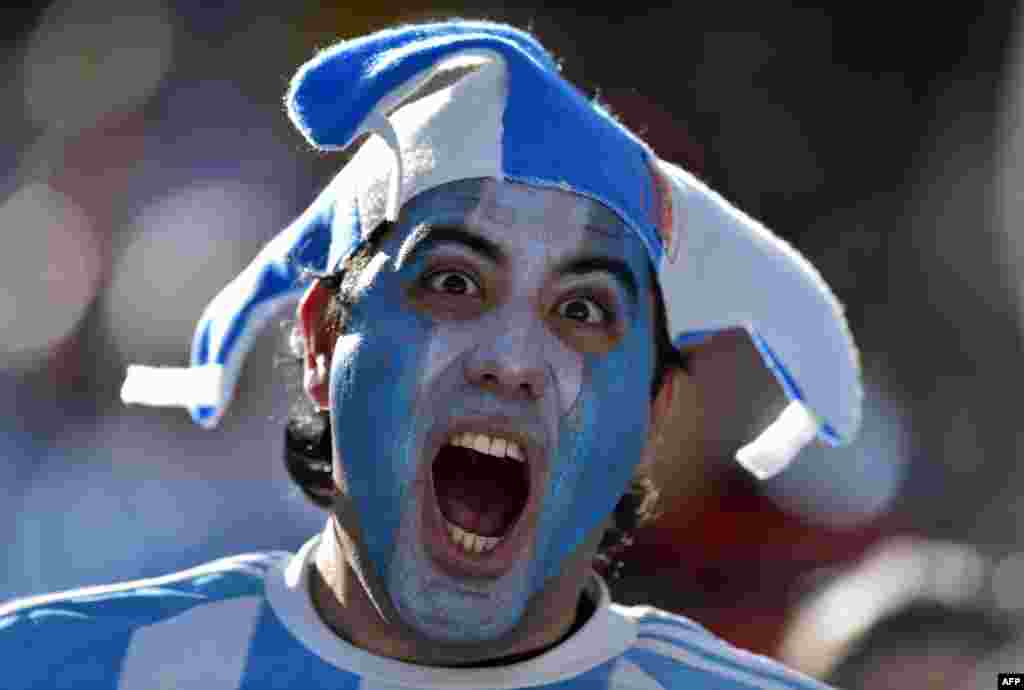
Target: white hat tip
[
  {"x": 779, "y": 444},
  {"x": 174, "y": 386}
]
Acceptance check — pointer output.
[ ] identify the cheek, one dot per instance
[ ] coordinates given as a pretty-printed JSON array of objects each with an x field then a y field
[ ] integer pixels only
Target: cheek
[
  {"x": 600, "y": 445},
  {"x": 443, "y": 349},
  {"x": 508, "y": 342},
  {"x": 374, "y": 379},
  {"x": 608, "y": 427},
  {"x": 612, "y": 416},
  {"x": 569, "y": 366},
  {"x": 612, "y": 422}
]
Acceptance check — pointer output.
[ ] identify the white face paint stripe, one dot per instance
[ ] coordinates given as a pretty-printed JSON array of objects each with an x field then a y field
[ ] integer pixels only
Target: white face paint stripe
[
  {"x": 520, "y": 205},
  {"x": 367, "y": 275},
  {"x": 443, "y": 351},
  {"x": 204, "y": 648}
]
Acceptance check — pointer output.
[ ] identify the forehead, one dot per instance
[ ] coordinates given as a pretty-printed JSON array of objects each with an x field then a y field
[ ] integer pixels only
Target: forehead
[
  {"x": 512, "y": 203},
  {"x": 553, "y": 221}
]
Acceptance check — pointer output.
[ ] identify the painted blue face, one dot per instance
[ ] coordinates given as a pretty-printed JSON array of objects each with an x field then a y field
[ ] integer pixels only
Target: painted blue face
[{"x": 493, "y": 305}]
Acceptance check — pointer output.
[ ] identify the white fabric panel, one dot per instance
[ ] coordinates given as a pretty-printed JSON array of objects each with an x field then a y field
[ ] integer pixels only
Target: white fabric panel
[
  {"x": 172, "y": 386},
  {"x": 733, "y": 272},
  {"x": 464, "y": 143},
  {"x": 696, "y": 661},
  {"x": 204, "y": 648},
  {"x": 778, "y": 445}
]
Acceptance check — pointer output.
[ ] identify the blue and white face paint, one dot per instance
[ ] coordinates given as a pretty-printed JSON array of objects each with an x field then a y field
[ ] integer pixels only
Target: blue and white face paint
[
  {"x": 418, "y": 360},
  {"x": 516, "y": 119},
  {"x": 499, "y": 306}
]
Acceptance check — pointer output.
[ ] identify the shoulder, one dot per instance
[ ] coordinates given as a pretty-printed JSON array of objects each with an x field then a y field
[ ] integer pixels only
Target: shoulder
[
  {"x": 92, "y": 629},
  {"x": 140, "y": 602},
  {"x": 672, "y": 651}
]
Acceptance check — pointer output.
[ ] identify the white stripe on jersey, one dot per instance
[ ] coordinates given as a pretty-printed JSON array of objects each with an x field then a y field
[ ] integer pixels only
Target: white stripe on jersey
[
  {"x": 693, "y": 660},
  {"x": 685, "y": 636},
  {"x": 204, "y": 648},
  {"x": 629, "y": 676}
]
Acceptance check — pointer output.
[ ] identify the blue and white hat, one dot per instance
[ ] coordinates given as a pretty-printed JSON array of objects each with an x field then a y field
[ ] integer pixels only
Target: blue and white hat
[{"x": 515, "y": 118}]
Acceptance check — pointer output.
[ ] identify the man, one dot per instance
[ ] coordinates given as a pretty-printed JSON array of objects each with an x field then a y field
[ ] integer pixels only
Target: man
[{"x": 500, "y": 274}]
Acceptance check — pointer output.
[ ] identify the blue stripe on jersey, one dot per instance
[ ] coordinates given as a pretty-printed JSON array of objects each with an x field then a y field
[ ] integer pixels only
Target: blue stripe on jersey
[
  {"x": 594, "y": 679},
  {"x": 659, "y": 616},
  {"x": 78, "y": 639},
  {"x": 56, "y": 652},
  {"x": 720, "y": 653},
  {"x": 276, "y": 659},
  {"x": 698, "y": 640},
  {"x": 671, "y": 673}
]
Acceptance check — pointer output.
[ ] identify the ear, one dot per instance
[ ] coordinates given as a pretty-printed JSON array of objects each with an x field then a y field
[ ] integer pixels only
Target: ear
[
  {"x": 674, "y": 453},
  {"x": 318, "y": 344},
  {"x": 677, "y": 411}
]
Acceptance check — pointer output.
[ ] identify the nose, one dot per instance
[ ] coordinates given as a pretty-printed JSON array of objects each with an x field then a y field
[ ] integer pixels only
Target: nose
[{"x": 511, "y": 364}]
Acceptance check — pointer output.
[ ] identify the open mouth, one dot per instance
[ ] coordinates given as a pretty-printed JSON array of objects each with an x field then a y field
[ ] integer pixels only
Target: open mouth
[{"x": 482, "y": 486}]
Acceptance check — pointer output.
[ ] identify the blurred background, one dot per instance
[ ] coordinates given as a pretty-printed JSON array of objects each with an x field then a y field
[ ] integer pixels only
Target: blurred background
[{"x": 146, "y": 157}]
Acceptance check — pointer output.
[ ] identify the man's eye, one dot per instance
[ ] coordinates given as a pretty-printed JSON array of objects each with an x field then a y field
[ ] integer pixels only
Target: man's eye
[
  {"x": 583, "y": 309},
  {"x": 453, "y": 283}
]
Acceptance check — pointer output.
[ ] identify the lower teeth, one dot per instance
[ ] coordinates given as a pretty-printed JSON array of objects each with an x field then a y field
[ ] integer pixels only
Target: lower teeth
[{"x": 469, "y": 542}]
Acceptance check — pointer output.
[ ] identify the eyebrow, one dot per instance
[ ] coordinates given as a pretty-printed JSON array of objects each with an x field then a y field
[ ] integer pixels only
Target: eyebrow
[
  {"x": 617, "y": 268},
  {"x": 427, "y": 235}
]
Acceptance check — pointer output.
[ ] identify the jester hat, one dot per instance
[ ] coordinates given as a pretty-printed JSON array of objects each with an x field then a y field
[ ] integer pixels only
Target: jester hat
[{"x": 515, "y": 118}]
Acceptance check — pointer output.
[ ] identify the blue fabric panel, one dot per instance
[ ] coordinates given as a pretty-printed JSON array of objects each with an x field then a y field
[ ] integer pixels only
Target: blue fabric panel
[
  {"x": 555, "y": 137},
  {"x": 346, "y": 232},
  {"x": 80, "y": 641},
  {"x": 826, "y": 432},
  {"x": 692, "y": 338},
  {"x": 274, "y": 273},
  {"x": 276, "y": 270},
  {"x": 278, "y": 660},
  {"x": 684, "y": 624},
  {"x": 596, "y": 678},
  {"x": 752, "y": 664},
  {"x": 333, "y": 93},
  {"x": 573, "y": 144},
  {"x": 273, "y": 280},
  {"x": 311, "y": 234},
  {"x": 203, "y": 412},
  {"x": 60, "y": 652},
  {"x": 671, "y": 674}
]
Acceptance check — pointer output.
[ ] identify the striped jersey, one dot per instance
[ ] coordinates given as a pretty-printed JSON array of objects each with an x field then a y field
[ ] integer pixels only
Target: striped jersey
[{"x": 248, "y": 623}]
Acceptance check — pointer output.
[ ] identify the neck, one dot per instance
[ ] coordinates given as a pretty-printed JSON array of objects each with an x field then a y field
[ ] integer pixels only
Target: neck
[{"x": 360, "y": 613}]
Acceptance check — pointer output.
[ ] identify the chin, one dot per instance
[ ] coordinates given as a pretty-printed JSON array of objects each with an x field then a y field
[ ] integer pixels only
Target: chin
[
  {"x": 463, "y": 565},
  {"x": 453, "y": 607}
]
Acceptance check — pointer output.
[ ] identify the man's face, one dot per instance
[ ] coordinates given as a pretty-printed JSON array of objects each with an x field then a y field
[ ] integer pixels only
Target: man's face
[{"x": 516, "y": 321}]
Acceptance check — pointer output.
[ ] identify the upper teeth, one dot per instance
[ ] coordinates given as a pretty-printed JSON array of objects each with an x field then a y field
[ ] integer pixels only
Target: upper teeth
[{"x": 482, "y": 443}]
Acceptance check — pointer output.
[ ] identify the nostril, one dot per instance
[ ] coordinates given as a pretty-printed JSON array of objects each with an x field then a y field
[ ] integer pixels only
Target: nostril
[{"x": 510, "y": 382}]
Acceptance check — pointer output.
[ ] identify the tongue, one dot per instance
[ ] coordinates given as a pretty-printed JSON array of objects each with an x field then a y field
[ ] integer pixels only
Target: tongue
[
  {"x": 478, "y": 493},
  {"x": 476, "y": 505}
]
